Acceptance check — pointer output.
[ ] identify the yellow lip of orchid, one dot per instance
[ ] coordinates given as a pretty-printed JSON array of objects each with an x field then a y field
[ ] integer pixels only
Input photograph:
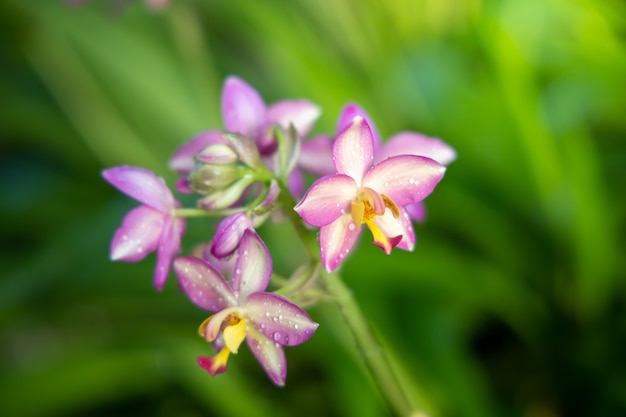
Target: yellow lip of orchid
[
  {"x": 367, "y": 206},
  {"x": 234, "y": 334}
]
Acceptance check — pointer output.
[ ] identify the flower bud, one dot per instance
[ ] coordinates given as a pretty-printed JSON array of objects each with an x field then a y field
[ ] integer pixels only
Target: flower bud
[
  {"x": 245, "y": 148},
  {"x": 208, "y": 178},
  {"x": 224, "y": 198},
  {"x": 218, "y": 154}
]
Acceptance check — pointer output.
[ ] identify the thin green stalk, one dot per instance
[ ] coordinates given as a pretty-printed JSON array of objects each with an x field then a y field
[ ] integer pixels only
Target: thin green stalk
[{"x": 368, "y": 347}]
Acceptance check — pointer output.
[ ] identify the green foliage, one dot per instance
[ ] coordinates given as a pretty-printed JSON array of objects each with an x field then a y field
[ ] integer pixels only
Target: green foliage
[{"x": 511, "y": 304}]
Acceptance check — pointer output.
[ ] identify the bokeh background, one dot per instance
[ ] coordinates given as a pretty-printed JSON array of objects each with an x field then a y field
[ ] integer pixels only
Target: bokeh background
[{"x": 512, "y": 304}]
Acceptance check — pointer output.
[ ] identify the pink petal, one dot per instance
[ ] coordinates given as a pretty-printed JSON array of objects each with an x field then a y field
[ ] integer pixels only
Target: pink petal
[
  {"x": 409, "y": 143},
  {"x": 301, "y": 113},
  {"x": 406, "y": 179},
  {"x": 253, "y": 267},
  {"x": 277, "y": 318},
  {"x": 228, "y": 234},
  {"x": 295, "y": 183},
  {"x": 182, "y": 186},
  {"x": 203, "y": 284},
  {"x": 400, "y": 226},
  {"x": 243, "y": 109},
  {"x": 138, "y": 235},
  {"x": 327, "y": 199},
  {"x": 337, "y": 240},
  {"x": 316, "y": 156},
  {"x": 212, "y": 366},
  {"x": 183, "y": 160},
  {"x": 417, "y": 211},
  {"x": 352, "y": 110},
  {"x": 353, "y": 150},
  {"x": 142, "y": 185},
  {"x": 270, "y": 355},
  {"x": 169, "y": 246}
]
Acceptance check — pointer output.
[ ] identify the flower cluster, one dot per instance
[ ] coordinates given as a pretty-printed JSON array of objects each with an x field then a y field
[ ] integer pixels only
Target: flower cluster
[{"x": 253, "y": 170}]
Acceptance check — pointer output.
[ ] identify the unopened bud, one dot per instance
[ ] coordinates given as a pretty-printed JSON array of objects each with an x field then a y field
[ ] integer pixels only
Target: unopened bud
[
  {"x": 209, "y": 178},
  {"x": 217, "y": 154}
]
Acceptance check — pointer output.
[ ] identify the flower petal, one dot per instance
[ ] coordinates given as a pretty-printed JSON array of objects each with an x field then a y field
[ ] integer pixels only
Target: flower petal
[
  {"x": 169, "y": 246},
  {"x": 405, "y": 179},
  {"x": 270, "y": 355},
  {"x": 279, "y": 319},
  {"x": 138, "y": 235},
  {"x": 316, "y": 156},
  {"x": 353, "y": 151},
  {"x": 142, "y": 185},
  {"x": 228, "y": 234},
  {"x": 243, "y": 109},
  {"x": 253, "y": 267},
  {"x": 410, "y": 143},
  {"x": 295, "y": 183},
  {"x": 204, "y": 285},
  {"x": 215, "y": 365},
  {"x": 327, "y": 199},
  {"x": 416, "y": 211},
  {"x": 401, "y": 226},
  {"x": 301, "y": 113},
  {"x": 183, "y": 160},
  {"x": 336, "y": 241},
  {"x": 352, "y": 110}
]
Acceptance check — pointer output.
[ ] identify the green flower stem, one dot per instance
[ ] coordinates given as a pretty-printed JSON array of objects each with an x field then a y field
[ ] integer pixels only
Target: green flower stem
[{"x": 368, "y": 347}]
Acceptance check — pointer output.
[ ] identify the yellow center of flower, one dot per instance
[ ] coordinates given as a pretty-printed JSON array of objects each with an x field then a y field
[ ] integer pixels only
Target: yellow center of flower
[
  {"x": 233, "y": 328},
  {"x": 366, "y": 207}
]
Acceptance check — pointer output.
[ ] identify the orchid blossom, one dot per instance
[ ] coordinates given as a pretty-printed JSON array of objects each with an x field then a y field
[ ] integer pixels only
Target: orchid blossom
[
  {"x": 244, "y": 112},
  {"x": 362, "y": 193},
  {"x": 403, "y": 143},
  {"x": 149, "y": 227},
  {"x": 243, "y": 310}
]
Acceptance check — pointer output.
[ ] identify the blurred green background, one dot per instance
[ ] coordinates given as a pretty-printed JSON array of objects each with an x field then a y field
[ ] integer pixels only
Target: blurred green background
[{"x": 512, "y": 304}]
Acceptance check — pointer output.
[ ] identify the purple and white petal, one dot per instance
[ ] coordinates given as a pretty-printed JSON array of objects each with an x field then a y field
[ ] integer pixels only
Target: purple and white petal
[
  {"x": 228, "y": 234},
  {"x": 138, "y": 235},
  {"x": 295, "y": 183},
  {"x": 253, "y": 268},
  {"x": 279, "y": 319},
  {"x": 183, "y": 160},
  {"x": 327, "y": 199},
  {"x": 417, "y": 212},
  {"x": 352, "y": 110},
  {"x": 142, "y": 185},
  {"x": 400, "y": 226},
  {"x": 410, "y": 143},
  {"x": 301, "y": 113},
  {"x": 406, "y": 179},
  {"x": 169, "y": 246},
  {"x": 243, "y": 109},
  {"x": 353, "y": 151},
  {"x": 203, "y": 284},
  {"x": 270, "y": 355},
  {"x": 337, "y": 240},
  {"x": 316, "y": 156}
]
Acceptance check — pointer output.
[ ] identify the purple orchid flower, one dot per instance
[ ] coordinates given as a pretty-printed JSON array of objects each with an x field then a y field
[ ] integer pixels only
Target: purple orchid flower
[
  {"x": 149, "y": 227},
  {"x": 360, "y": 193},
  {"x": 403, "y": 143},
  {"x": 245, "y": 112},
  {"x": 243, "y": 310}
]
